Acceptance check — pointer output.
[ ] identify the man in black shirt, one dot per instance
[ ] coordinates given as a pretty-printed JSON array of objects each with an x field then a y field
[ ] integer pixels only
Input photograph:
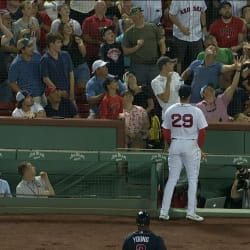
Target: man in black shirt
[
  {"x": 58, "y": 104},
  {"x": 143, "y": 239}
]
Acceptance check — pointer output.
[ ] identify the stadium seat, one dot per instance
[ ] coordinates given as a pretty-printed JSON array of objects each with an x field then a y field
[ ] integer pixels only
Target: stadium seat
[
  {"x": 83, "y": 110},
  {"x": 6, "y": 108}
]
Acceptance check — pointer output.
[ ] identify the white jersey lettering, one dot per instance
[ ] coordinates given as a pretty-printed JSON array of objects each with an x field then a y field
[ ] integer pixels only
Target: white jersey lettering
[
  {"x": 184, "y": 121},
  {"x": 140, "y": 239}
]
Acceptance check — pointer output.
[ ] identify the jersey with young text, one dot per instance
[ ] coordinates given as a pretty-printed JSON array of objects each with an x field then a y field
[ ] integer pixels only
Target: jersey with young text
[
  {"x": 184, "y": 121},
  {"x": 143, "y": 240}
]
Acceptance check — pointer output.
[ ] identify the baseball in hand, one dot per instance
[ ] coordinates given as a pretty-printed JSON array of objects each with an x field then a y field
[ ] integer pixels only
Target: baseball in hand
[
  {"x": 140, "y": 42},
  {"x": 43, "y": 175}
]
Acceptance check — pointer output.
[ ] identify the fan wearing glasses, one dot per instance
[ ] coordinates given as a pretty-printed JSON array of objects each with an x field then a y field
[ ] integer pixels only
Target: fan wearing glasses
[{"x": 215, "y": 107}]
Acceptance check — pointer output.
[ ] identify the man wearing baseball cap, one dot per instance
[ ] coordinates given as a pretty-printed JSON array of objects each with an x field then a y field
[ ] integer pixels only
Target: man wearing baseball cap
[
  {"x": 26, "y": 107},
  {"x": 94, "y": 87},
  {"x": 144, "y": 43},
  {"x": 24, "y": 71},
  {"x": 228, "y": 30},
  {"x": 58, "y": 106}
]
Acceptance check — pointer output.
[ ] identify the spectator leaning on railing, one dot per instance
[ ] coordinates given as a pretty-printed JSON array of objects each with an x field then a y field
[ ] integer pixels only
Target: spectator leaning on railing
[
  {"x": 26, "y": 107},
  {"x": 32, "y": 186}
]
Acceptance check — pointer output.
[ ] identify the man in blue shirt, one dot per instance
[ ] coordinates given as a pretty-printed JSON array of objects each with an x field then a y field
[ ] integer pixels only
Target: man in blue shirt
[
  {"x": 94, "y": 87},
  {"x": 24, "y": 72},
  {"x": 59, "y": 107},
  {"x": 57, "y": 67},
  {"x": 205, "y": 72},
  {"x": 4, "y": 189}
]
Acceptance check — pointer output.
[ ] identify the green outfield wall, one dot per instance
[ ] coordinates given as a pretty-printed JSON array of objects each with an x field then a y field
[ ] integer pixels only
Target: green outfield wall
[{"x": 90, "y": 175}]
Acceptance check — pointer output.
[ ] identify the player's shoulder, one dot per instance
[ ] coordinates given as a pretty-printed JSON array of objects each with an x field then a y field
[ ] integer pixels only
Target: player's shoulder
[{"x": 173, "y": 108}]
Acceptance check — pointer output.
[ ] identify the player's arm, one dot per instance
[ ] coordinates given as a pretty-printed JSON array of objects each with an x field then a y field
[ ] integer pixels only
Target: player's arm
[
  {"x": 166, "y": 133},
  {"x": 201, "y": 137}
]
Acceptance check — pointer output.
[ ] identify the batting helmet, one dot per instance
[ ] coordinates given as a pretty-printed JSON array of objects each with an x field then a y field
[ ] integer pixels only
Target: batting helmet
[{"x": 142, "y": 218}]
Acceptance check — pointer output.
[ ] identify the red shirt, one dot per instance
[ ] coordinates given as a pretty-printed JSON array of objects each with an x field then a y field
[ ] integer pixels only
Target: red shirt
[
  {"x": 91, "y": 26},
  {"x": 2, "y": 4},
  {"x": 110, "y": 107},
  {"x": 45, "y": 19},
  {"x": 227, "y": 33}
]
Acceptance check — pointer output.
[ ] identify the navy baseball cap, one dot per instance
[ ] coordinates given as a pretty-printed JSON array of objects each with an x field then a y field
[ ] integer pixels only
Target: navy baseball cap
[
  {"x": 184, "y": 91},
  {"x": 135, "y": 10},
  {"x": 143, "y": 218},
  {"x": 105, "y": 29}
]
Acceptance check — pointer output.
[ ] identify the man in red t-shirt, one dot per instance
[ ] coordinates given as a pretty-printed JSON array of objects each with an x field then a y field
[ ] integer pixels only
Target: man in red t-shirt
[
  {"x": 91, "y": 27},
  {"x": 2, "y": 4},
  {"x": 228, "y": 30}
]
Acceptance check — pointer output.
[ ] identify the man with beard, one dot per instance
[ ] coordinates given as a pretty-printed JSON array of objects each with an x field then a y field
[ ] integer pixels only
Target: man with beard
[{"x": 228, "y": 30}]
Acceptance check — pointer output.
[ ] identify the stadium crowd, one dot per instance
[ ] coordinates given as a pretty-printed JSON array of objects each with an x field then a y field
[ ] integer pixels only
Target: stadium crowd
[{"x": 125, "y": 60}]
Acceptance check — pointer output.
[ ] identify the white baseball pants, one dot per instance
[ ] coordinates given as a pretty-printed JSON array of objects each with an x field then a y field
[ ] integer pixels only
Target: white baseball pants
[{"x": 182, "y": 153}]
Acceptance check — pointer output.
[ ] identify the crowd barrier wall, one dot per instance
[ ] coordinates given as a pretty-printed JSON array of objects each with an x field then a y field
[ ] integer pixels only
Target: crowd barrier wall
[{"x": 94, "y": 177}]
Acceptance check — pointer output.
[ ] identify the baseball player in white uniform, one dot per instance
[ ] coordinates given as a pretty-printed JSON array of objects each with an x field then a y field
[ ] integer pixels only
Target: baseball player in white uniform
[{"x": 184, "y": 129}]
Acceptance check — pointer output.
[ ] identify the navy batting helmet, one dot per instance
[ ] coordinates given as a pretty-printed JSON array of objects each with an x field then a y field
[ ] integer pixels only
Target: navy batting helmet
[{"x": 142, "y": 218}]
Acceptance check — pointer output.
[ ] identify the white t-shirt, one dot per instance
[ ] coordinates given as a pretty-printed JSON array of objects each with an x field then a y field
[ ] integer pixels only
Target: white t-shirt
[
  {"x": 84, "y": 6},
  {"x": 152, "y": 9},
  {"x": 35, "y": 108},
  {"x": 51, "y": 8},
  {"x": 184, "y": 121},
  {"x": 159, "y": 84},
  {"x": 75, "y": 24},
  {"x": 188, "y": 14},
  {"x": 31, "y": 189}
]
